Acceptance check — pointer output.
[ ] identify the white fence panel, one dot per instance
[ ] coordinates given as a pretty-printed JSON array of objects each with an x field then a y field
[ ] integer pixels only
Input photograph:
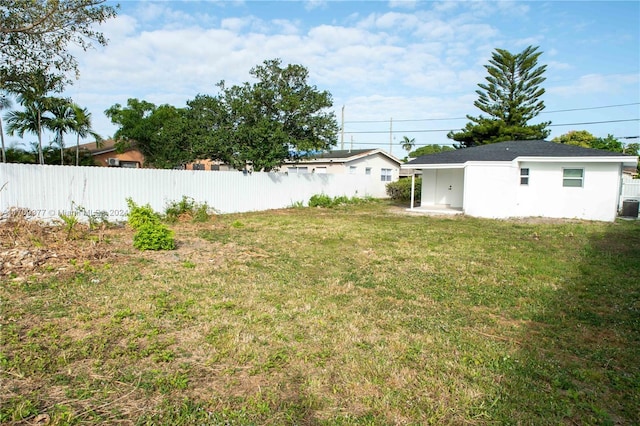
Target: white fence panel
[
  {"x": 630, "y": 188},
  {"x": 46, "y": 191}
]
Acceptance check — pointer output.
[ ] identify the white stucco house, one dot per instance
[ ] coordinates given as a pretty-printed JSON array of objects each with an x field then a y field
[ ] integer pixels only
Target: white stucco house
[
  {"x": 523, "y": 179},
  {"x": 376, "y": 163}
]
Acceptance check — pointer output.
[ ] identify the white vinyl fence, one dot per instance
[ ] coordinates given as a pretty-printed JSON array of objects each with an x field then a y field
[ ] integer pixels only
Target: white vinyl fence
[
  {"x": 44, "y": 192},
  {"x": 630, "y": 189}
]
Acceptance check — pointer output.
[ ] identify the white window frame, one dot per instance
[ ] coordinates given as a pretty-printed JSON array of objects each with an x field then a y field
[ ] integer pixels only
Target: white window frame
[
  {"x": 352, "y": 170},
  {"x": 386, "y": 175},
  {"x": 367, "y": 171},
  {"x": 569, "y": 181},
  {"x": 524, "y": 176}
]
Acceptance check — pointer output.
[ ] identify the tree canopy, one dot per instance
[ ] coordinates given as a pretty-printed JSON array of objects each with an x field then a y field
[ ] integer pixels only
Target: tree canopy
[
  {"x": 510, "y": 98},
  {"x": 587, "y": 140},
  {"x": 429, "y": 149},
  {"x": 34, "y": 34},
  {"x": 278, "y": 117}
]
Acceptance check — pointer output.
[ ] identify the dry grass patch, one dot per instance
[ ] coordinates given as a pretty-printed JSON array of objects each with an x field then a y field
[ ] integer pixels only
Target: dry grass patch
[{"x": 354, "y": 315}]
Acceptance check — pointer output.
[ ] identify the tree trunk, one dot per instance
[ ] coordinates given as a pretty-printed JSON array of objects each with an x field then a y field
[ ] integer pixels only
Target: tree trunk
[
  {"x": 4, "y": 152},
  {"x": 40, "y": 154},
  {"x": 78, "y": 149}
]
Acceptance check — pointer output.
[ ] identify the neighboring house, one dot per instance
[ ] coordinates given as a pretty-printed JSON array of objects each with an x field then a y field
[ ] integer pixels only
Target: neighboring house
[
  {"x": 374, "y": 162},
  {"x": 217, "y": 166},
  {"x": 524, "y": 179},
  {"x": 106, "y": 155}
]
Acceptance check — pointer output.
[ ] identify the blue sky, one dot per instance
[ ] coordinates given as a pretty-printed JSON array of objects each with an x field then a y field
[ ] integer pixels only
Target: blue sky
[{"x": 416, "y": 62}]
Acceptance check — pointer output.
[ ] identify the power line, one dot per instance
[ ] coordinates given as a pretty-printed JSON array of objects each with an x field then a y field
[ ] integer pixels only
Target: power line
[
  {"x": 463, "y": 118},
  {"x": 449, "y": 130},
  {"x": 584, "y": 109}
]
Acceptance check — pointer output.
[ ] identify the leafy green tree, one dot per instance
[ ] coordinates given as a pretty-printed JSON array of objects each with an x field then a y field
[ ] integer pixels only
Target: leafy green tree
[
  {"x": 265, "y": 123},
  {"x": 587, "y": 140},
  {"x": 510, "y": 99},
  {"x": 159, "y": 132},
  {"x": 5, "y": 103},
  {"x": 576, "y": 137},
  {"x": 35, "y": 34},
  {"x": 632, "y": 149},
  {"x": 278, "y": 118},
  {"x": 429, "y": 149},
  {"x": 610, "y": 143},
  {"x": 408, "y": 143},
  {"x": 18, "y": 155}
]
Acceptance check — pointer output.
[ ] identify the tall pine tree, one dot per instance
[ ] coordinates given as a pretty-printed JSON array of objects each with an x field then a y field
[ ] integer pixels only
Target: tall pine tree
[{"x": 510, "y": 99}]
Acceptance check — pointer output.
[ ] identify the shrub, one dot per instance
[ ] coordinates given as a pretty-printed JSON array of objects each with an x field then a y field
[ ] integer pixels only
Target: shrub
[
  {"x": 141, "y": 215},
  {"x": 320, "y": 200},
  {"x": 150, "y": 234},
  {"x": 154, "y": 236},
  {"x": 198, "y": 212},
  {"x": 401, "y": 190},
  {"x": 323, "y": 200}
]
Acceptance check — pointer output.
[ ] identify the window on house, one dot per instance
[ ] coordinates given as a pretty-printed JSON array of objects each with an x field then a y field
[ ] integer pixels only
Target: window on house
[
  {"x": 198, "y": 166},
  {"x": 524, "y": 176},
  {"x": 367, "y": 171},
  {"x": 298, "y": 170},
  {"x": 385, "y": 175},
  {"x": 573, "y": 178},
  {"x": 352, "y": 170},
  {"x": 215, "y": 167}
]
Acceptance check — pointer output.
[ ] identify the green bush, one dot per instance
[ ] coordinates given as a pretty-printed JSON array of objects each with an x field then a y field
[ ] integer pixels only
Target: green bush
[
  {"x": 154, "y": 236},
  {"x": 401, "y": 190},
  {"x": 320, "y": 200},
  {"x": 198, "y": 212},
  {"x": 151, "y": 233},
  {"x": 141, "y": 215},
  {"x": 323, "y": 200}
]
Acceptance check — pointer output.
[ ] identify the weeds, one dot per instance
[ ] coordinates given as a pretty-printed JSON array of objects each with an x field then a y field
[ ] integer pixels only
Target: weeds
[{"x": 187, "y": 208}]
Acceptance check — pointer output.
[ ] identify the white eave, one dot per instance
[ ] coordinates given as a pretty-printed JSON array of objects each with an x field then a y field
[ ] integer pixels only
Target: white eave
[{"x": 625, "y": 160}]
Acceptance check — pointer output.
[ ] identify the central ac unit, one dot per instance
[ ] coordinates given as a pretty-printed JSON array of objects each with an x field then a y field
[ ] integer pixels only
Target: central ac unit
[{"x": 113, "y": 162}]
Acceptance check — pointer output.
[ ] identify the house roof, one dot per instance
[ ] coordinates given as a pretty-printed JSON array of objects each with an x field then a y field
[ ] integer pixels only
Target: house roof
[
  {"x": 343, "y": 156},
  {"x": 509, "y": 151},
  {"x": 107, "y": 145}
]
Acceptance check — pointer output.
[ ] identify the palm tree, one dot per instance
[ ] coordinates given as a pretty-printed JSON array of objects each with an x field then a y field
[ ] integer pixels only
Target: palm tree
[
  {"x": 27, "y": 121},
  {"x": 31, "y": 90},
  {"x": 5, "y": 103},
  {"x": 82, "y": 127},
  {"x": 408, "y": 144},
  {"x": 62, "y": 121}
]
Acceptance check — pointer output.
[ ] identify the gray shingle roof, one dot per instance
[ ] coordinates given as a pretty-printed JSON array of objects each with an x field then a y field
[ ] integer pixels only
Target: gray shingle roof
[
  {"x": 344, "y": 153},
  {"x": 508, "y": 151}
]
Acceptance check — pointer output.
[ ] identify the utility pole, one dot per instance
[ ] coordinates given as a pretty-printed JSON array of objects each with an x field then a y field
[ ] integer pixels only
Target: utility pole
[
  {"x": 342, "y": 133},
  {"x": 391, "y": 135}
]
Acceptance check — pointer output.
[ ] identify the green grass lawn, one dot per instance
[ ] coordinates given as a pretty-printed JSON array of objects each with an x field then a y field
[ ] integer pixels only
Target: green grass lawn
[{"x": 348, "y": 316}]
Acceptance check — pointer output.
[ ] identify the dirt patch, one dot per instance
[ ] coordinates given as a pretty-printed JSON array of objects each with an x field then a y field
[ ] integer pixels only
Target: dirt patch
[{"x": 37, "y": 248}]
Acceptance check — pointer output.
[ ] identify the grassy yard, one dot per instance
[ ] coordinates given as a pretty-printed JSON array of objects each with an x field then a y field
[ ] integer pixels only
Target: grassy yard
[{"x": 348, "y": 316}]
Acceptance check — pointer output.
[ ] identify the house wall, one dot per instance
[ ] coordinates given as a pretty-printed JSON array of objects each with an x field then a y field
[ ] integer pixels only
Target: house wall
[
  {"x": 494, "y": 191},
  {"x": 489, "y": 189},
  {"x": 376, "y": 162},
  {"x": 46, "y": 191},
  {"x": 131, "y": 155},
  {"x": 545, "y": 195},
  {"x": 442, "y": 187}
]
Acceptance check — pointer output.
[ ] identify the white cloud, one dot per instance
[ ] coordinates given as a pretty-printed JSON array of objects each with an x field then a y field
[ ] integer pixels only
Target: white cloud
[{"x": 598, "y": 83}]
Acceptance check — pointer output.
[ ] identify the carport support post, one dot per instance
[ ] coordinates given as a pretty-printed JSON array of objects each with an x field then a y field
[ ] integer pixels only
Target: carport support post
[{"x": 413, "y": 186}]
